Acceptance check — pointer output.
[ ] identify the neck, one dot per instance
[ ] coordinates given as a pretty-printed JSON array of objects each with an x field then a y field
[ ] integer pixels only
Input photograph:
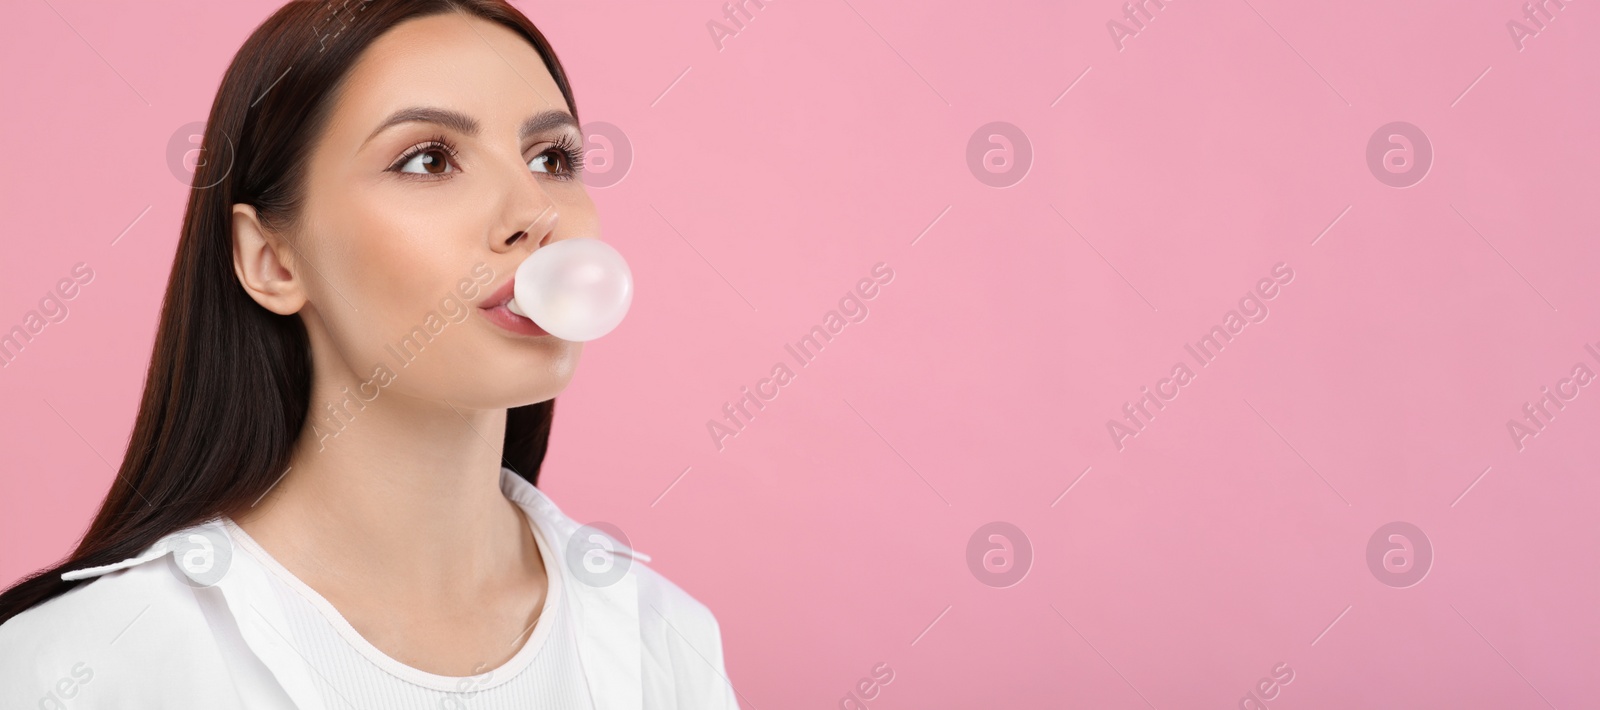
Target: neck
[{"x": 395, "y": 493}]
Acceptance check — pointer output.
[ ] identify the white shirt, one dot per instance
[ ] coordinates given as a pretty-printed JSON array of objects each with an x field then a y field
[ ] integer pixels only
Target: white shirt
[
  {"x": 205, "y": 618},
  {"x": 544, "y": 672}
]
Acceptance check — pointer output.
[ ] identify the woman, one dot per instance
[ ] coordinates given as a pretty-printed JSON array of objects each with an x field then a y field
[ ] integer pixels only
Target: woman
[{"x": 328, "y": 499}]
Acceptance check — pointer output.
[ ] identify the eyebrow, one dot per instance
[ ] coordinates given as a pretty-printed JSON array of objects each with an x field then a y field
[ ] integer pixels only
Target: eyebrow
[{"x": 462, "y": 123}]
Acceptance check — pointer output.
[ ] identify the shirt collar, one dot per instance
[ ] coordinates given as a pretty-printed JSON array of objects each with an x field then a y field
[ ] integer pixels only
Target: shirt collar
[
  {"x": 608, "y": 635},
  {"x": 610, "y": 644}
]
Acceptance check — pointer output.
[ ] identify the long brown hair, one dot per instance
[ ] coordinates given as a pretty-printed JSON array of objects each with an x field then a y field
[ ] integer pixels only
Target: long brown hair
[{"x": 229, "y": 382}]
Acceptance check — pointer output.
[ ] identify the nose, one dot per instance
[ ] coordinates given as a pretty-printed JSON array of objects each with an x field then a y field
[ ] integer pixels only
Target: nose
[
  {"x": 536, "y": 230},
  {"x": 529, "y": 214}
]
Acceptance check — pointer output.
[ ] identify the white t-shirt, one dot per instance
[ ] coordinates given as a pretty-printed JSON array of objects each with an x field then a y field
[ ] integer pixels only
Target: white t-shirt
[
  {"x": 544, "y": 673},
  {"x": 204, "y": 618}
]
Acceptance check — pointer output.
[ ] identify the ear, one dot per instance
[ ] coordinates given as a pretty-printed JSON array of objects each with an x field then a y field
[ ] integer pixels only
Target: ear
[{"x": 264, "y": 264}]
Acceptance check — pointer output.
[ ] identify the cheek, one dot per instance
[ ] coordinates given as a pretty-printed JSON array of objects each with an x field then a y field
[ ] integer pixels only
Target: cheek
[
  {"x": 381, "y": 279},
  {"x": 578, "y": 214},
  {"x": 396, "y": 256},
  {"x": 389, "y": 258}
]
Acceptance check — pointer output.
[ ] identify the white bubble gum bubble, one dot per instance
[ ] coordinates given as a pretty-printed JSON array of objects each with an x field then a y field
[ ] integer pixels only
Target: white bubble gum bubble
[{"x": 575, "y": 289}]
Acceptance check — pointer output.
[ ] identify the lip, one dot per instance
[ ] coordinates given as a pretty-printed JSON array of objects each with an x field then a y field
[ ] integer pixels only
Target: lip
[{"x": 495, "y": 311}]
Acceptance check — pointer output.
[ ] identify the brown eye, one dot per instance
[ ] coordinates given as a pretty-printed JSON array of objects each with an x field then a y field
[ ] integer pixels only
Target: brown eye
[
  {"x": 430, "y": 161},
  {"x": 432, "y": 157},
  {"x": 546, "y": 161},
  {"x": 562, "y": 161}
]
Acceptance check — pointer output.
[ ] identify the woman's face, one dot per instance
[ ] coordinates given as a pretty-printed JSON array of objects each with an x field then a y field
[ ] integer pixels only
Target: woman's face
[{"x": 412, "y": 225}]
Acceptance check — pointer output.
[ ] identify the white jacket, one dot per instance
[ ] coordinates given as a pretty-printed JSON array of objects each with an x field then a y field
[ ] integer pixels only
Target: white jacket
[{"x": 148, "y": 632}]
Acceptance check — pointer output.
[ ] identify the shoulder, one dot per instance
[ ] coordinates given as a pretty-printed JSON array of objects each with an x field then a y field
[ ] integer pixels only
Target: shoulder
[
  {"x": 120, "y": 638},
  {"x": 597, "y": 558},
  {"x": 675, "y": 610},
  {"x": 680, "y": 639}
]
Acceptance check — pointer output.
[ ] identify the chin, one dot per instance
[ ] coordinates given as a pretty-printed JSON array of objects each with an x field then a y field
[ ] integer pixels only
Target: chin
[{"x": 520, "y": 392}]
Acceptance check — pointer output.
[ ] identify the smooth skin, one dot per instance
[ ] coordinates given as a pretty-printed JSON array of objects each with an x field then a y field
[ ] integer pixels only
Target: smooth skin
[{"x": 399, "y": 520}]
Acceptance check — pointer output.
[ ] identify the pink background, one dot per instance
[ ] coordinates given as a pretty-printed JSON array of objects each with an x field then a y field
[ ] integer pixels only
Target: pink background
[{"x": 831, "y": 535}]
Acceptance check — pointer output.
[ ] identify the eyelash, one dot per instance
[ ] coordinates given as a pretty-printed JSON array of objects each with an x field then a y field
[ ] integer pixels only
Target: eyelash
[
  {"x": 571, "y": 151},
  {"x": 566, "y": 145}
]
